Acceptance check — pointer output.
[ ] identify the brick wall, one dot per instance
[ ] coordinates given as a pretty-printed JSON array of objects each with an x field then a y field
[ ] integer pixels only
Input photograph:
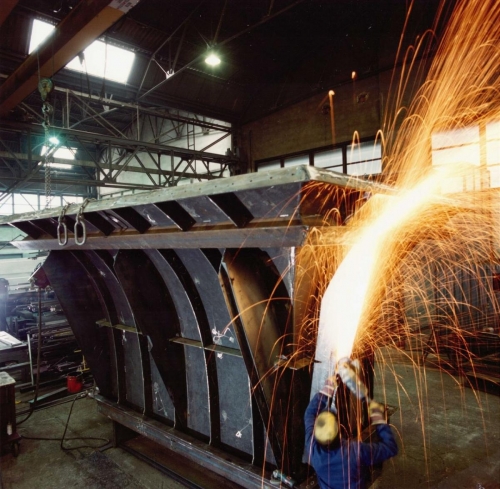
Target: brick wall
[{"x": 362, "y": 106}]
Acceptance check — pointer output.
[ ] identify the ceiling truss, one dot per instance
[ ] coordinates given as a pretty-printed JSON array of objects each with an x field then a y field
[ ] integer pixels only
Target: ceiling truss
[{"x": 103, "y": 158}]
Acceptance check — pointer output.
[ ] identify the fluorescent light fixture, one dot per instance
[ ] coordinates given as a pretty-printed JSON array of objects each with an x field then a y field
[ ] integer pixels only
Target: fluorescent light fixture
[
  {"x": 100, "y": 59},
  {"x": 54, "y": 140},
  {"x": 212, "y": 59}
]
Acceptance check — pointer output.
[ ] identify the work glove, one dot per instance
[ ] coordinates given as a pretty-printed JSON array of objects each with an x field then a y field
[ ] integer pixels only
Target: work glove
[
  {"x": 330, "y": 385},
  {"x": 377, "y": 413}
]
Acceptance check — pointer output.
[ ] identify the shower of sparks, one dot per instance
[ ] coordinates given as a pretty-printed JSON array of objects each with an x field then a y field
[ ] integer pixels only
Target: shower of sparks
[
  {"x": 405, "y": 264},
  {"x": 348, "y": 291},
  {"x": 418, "y": 260}
]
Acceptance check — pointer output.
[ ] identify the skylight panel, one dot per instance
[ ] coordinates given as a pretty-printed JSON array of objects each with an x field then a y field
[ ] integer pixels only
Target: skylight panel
[
  {"x": 39, "y": 32},
  {"x": 99, "y": 59},
  {"x": 105, "y": 61},
  {"x": 62, "y": 153}
]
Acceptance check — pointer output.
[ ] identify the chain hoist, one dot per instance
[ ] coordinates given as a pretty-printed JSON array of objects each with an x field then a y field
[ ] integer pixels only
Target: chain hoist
[{"x": 45, "y": 87}]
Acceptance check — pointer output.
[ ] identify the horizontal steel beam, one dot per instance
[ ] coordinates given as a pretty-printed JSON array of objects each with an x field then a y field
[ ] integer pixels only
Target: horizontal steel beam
[
  {"x": 90, "y": 164},
  {"x": 77, "y": 181},
  {"x": 128, "y": 144},
  {"x": 145, "y": 110},
  {"x": 284, "y": 236},
  {"x": 208, "y": 457}
]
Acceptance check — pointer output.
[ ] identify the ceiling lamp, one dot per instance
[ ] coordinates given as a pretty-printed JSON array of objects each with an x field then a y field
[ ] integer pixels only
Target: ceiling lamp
[{"x": 212, "y": 59}]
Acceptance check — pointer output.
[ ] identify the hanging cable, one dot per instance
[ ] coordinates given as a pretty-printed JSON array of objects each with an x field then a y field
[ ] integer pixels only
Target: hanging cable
[{"x": 63, "y": 438}]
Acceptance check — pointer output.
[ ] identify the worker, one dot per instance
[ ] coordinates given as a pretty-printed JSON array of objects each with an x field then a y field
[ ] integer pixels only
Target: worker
[{"x": 338, "y": 462}]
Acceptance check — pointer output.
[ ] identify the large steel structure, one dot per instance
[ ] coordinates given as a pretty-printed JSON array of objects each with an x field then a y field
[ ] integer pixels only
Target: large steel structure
[{"x": 188, "y": 306}]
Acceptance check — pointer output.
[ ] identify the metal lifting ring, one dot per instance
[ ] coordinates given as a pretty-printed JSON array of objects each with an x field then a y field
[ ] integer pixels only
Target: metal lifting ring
[
  {"x": 64, "y": 241},
  {"x": 62, "y": 225},
  {"x": 80, "y": 221}
]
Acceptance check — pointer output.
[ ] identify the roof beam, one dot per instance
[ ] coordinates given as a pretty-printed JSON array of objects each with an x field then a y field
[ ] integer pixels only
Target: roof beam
[
  {"x": 7, "y": 7},
  {"x": 88, "y": 20}
]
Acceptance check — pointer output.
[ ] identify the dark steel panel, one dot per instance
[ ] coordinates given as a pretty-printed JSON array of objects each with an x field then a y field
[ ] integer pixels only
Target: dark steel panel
[
  {"x": 182, "y": 219},
  {"x": 133, "y": 219},
  {"x": 214, "y": 256},
  {"x": 99, "y": 222},
  {"x": 136, "y": 384},
  {"x": 198, "y": 418},
  {"x": 194, "y": 326},
  {"x": 162, "y": 402},
  {"x": 116, "y": 351},
  {"x": 147, "y": 383},
  {"x": 157, "y": 318},
  {"x": 82, "y": 307},
  {"x": 284, "y": 261},
  {"x": 136, "y": 381},
  {"x": 207, "y": 284},
  {"x": 273, "y": 202},
  {"x": 182, "y": 291},
  {"x": 236, "y": 417},
  {"x": 262, "y": 317},
  {"x": 268, "y": 450},
  {"x": 204, "y": 211},
  {"x": 155, "y": 216},
  {"x": 48, "y": 226},
  {"x": 29, "y": 228},
  {"x": 233, "y": 208}
]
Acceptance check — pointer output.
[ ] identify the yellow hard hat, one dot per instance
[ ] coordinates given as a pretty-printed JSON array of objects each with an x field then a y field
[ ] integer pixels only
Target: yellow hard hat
[{"x": 326, "y": 428}]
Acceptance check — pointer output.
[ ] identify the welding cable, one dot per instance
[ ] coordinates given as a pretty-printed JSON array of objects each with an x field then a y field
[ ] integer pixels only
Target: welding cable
[
  {"x": 51, "y": 404},
  {"x": 63, "y": 438}
]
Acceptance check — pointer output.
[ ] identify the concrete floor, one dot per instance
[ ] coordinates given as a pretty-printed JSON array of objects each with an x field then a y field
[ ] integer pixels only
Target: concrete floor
[{"x": 448, "y": 434}]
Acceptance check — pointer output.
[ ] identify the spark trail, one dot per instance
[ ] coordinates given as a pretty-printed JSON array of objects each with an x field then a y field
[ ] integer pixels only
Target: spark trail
[{"x": 462, "y": 90}]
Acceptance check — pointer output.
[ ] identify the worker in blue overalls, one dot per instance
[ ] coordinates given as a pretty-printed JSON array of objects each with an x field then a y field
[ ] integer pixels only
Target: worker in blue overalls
[{"x": 338, "y": 462}]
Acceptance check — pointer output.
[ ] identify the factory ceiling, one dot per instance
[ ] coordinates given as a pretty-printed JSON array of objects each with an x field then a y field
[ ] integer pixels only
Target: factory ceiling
[{"x": 273, "y": 52}]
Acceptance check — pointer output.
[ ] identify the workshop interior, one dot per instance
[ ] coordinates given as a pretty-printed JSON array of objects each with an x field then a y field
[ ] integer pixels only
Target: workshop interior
[{"x": 210, "y": 207}]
